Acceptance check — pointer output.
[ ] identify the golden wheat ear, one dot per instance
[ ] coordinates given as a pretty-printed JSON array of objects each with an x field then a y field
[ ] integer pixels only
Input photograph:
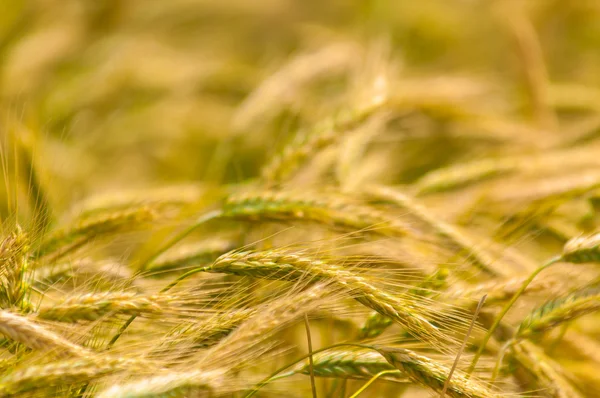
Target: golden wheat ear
[
  {"x": 431, "y": 374},
  {"x": 20, "y": 329},
  {"x": 62, "y": 242},
  {"x": 63, "y": 372},
  {"x": 322, "y": 135},
  {"x": 14, "y": 264}
]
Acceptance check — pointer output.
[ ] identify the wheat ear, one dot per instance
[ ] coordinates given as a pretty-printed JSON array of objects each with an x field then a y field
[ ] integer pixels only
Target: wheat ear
[
  {"x": 403, "y": 308},
  {"x": 22, "y": 330},
  {"x": 68, "y": 371},
  {"x": 452, "y": 233},
  {"x": 93, "y": 306},
  {"x": 582, "y": 249},
  {"x": 13, "y": 266},
  {"x": 346, "y": 364},
  {"x": 558, "y": 311},
  {"x": 335, "y": 211},
  {"x": 321, "y": 136},
  {"x": 426, "y": 372},
  {"x": 170, "y": 384},
  {"x": 64, "y": 241}
]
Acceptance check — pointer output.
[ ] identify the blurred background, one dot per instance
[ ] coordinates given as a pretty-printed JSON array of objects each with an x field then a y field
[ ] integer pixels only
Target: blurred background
[{"x": 120, "y": 94}]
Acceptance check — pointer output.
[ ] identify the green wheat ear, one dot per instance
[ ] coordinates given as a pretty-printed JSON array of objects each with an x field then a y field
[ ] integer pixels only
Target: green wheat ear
[
  {"x": 584, "y": 249},
  {"x": 560, "y": 310}
]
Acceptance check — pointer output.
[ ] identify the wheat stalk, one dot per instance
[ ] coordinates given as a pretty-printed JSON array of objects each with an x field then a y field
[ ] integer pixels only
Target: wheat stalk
[{"x": 498, "y": 291}]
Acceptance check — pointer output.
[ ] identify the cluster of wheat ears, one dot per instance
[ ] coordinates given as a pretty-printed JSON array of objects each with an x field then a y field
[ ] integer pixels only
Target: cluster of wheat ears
[{"x": 407, "y": 236}]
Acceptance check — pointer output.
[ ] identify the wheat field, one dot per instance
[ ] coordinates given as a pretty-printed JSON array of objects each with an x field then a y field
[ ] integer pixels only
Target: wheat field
[{"x": 282, "y": 198}]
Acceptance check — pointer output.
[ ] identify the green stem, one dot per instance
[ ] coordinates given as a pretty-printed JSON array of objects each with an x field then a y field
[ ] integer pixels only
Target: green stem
[
  {"x": 506, "y": 308},
  {"x": 179, "y": 237},
  {"x": 372, "y": 380},
  {"x": 201, "y": 220},
  {"x": 499, "y": 361}
]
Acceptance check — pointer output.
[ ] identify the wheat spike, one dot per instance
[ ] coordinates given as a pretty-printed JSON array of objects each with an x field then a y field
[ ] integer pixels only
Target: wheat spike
[
  {"x": 169, "y": 384},
  {"x": 431, "y": 374},
  {"x": 37, "y": 337},
  {"x": 61, "y": 242},
  {"x": 13, "y": 267},
  {"x": 346, "y": 364},
  {"x": 558, "y": 311},
  {"x": 335, "y": 211},
  {"x": 70, "y": 371},
  {"x": 92, "y": 306},
  {"x": 411, "y": 313},
  {"x": 583, "y": 249},
  {"x": 190, "y": 255},
  {"x": 322, "y": 135},
  {"x": 452, "y": 233},
  {"x": 532, "y": 359}
]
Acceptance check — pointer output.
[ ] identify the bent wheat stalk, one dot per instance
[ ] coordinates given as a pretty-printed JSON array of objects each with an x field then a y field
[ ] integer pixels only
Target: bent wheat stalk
[{"x": 505, "y": 310}]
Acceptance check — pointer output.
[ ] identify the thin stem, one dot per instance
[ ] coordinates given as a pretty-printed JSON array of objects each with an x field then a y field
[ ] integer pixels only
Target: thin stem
[
  {"x": 500, "y": 360},
  {"x": 506, "y": 308},
  {"x": 462, "y": 347},
  {"x": 310, "y": 358},
  {"x": 558, "y": 339},
  {"x": 201, "y": 220},
  {"x": 179, "y": 237},
  {"x": 367, "y": 384}
]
